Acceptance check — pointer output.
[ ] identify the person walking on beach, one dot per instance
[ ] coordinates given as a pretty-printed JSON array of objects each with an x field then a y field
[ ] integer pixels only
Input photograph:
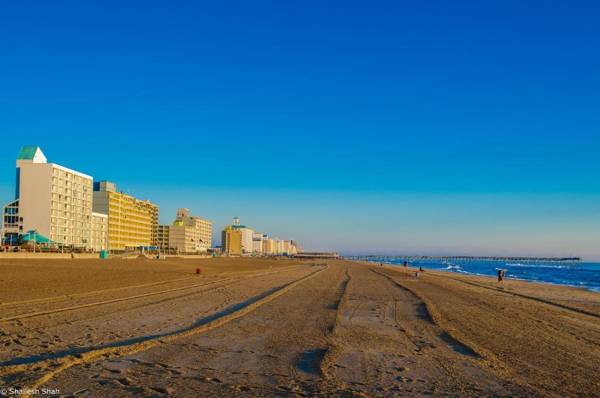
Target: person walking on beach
[
  {"x": 500, "y": 275},
  {"x": 405, "y": 264}
]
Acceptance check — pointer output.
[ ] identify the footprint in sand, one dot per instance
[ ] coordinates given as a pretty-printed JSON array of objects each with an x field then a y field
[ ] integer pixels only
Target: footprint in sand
[
  {"x": 163, "y": 390},
  {"x": 126, "y": 381}
]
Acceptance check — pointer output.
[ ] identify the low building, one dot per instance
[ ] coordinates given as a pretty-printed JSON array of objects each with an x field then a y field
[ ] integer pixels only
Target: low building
[
  {"x": 247, "y": 240},
  {"x": 239, "y": 240},
  {"x": 190, "y": 234},
  {"x": 331, "y": 255},
  {"x": 279, "y": 246},
  {"x": 286, "y": 247},
  {"x": 257, "y": 243},
  {"x": 269, "y": 246},
  {"x": 295, "y": 246},
  {"x": 132, "y": 223},
  {"x": 293, "y": 249},
  {"x": 12, "y": 223}
]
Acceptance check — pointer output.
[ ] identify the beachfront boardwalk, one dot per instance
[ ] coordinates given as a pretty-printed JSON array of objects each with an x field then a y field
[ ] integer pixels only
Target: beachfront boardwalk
[{"x": 248, "y": 327}]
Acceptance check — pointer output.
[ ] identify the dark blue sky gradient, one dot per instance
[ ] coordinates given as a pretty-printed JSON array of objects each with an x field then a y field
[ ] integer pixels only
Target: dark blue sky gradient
[{"x": 270, "y": 102}]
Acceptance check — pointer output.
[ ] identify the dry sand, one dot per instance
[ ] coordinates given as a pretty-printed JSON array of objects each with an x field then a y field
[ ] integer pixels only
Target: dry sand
[{"x": 289, "y": 328}]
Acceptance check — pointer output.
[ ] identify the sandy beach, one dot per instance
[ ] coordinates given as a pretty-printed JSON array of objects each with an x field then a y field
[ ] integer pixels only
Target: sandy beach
[{"x": 258, "y": 327}]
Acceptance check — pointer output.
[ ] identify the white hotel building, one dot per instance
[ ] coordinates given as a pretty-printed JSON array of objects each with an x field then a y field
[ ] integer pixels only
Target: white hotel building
[{"x": 54, "y": 201}]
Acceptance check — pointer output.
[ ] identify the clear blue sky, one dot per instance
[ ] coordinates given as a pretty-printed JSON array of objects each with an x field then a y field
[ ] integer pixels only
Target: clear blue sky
[{"x": 396, "y": 127}]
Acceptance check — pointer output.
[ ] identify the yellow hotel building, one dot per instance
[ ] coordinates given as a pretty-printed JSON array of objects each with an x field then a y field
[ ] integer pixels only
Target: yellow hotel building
[
  {"x": 231, "y": 239},
  {"x": 131, "y": 222}
]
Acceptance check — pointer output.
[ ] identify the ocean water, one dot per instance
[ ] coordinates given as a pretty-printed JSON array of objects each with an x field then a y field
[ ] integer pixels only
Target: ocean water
[{"x": 577, "y": 274}]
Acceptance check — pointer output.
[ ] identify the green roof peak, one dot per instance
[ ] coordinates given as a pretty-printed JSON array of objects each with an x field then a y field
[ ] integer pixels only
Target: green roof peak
[
  {"x": 33, "y": 153},
  {"x": 27, "y": 152}
]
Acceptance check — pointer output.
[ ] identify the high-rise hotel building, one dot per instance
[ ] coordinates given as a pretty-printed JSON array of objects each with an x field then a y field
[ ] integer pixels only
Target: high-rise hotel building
[
  {"x": 51, "y": 199},
  {"x": 132, "y": 223}
]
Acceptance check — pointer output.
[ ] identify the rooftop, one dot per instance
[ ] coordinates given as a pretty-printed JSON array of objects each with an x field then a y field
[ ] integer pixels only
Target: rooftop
[
  {"x": 33, "y": 153},
  {"x": 27, "y": 152}
]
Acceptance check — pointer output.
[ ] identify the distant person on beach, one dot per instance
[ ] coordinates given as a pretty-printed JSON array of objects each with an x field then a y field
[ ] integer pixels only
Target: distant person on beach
[
  {"x": 405, "y": 264},
  {"x": 421, "y": 268},
  {"x": 500, "y": 275}
]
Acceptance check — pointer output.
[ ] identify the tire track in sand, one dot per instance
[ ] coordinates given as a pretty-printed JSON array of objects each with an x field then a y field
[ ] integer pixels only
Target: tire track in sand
[
  {"x": 128, "y": 298},
  {"x": 105, "y": 302},
  {"x": 521, "y": 295},
  {"x": 219, "y": 320},
  {"x": 432, "y": 313},
  {"x": 16, "y": 365},
  {"x": 87, "y": 294},
  {"x": 116, "y": 289},
  {"x": 334, "y": 348},
  {"x": 454, "y": 337},
  {"x": 408, "y": 354}
]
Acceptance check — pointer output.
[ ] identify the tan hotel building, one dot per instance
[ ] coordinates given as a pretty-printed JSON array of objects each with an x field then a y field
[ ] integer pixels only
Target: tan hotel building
[
  {"x": 51, "y": 199},
  {"x": 132, "y": 223},
  {"x": 188, "y": 234},
  {"x": 163, "y": 237},
  {"x": 99, "y": 232},
  {"x": 268, "y": 246}
]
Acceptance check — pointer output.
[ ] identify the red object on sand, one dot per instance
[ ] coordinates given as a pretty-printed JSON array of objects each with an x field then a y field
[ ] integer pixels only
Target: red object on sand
[{"x": 198, "y": 271}]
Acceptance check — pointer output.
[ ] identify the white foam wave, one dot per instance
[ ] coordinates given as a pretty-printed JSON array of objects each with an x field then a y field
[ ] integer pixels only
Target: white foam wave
[
  {"x": 456, "y": 267},
  {"x": 537, "y": 266}
]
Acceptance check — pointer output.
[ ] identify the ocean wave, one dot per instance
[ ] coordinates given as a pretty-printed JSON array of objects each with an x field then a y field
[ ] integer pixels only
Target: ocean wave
[
  {"x": 519, "y": 265},
  {"x": 473, "y": 273},
  {"x": 452, "y": 266},
  {"x": 574, "y": 275}
]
